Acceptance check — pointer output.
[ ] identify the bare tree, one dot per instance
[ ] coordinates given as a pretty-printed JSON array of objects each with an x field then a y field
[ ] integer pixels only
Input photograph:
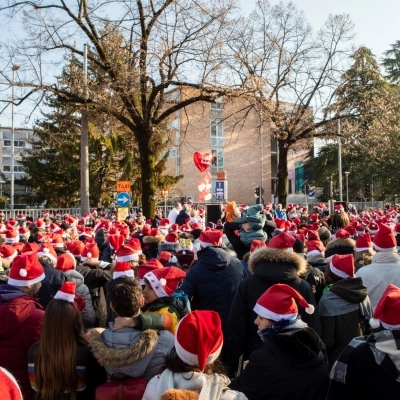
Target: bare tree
[
  {"x": 291, "y": 72},
  {"x": 138, "y": 51}
]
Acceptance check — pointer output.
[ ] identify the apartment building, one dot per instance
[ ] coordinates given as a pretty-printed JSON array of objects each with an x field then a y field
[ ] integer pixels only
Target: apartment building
[{"x": 240, "y": 144}]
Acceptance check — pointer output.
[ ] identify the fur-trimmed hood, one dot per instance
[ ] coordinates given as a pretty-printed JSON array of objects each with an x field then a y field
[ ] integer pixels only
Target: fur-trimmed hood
[
  {"x": 153, "y": 239},
  {"x": 267, "y": 258},
  {"x": 340, "y": 246},
  {"x": 130, "y": 352},
  {"x": 119, "y": 357}
]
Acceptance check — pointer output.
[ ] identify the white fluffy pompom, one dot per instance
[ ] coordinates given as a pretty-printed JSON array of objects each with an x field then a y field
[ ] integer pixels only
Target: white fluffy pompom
[
  {"x": 46, "y": 250},
  {"x": 89, "y": 255},
  {"x": 374, "y": 323},
  {"x": 163, "y": 282},
  {"x": 183, "y": 252},
  {"x": 310, "y": 309},
  {"x": 23, "y": 272},
  {"x": 173, "y": 260}
]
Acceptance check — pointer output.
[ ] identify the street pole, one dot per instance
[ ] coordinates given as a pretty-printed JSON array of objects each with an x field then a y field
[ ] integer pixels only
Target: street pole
[
  {"x": 347, "y": 186},
  {"x": 262, "y": 152},
  {"x": 340, "y": 163},
  {"x": 84, "y": 143},
  {"x": 14, "y": 68}
]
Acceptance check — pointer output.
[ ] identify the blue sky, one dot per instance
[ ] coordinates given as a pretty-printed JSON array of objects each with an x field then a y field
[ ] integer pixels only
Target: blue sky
[
  {"x": 377, "y": 25},
  {"x": 377, "y": 22}
]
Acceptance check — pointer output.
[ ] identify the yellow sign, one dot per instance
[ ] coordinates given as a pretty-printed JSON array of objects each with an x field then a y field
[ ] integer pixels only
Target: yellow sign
[
  {"x": 123, "y": 186},
  {"x": 123, "y": 213},
  {"x": 221, "y": 175}
]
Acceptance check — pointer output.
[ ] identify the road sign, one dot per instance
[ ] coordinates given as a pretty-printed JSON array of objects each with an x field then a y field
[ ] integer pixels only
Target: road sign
[
  {"x": 221, "y": 190},
  {"x": 311, "y": 193},
  {"x": 123, "y": 186},
  {"x": 123, "y": 199},
  {"x": 123, "y": 213}
]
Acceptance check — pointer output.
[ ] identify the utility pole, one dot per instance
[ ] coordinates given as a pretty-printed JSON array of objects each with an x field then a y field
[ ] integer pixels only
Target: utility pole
[
  {"x": 85, "y": 143},
  {"x": 12, "y": 187},
  {"x": 340, "y": 163}
]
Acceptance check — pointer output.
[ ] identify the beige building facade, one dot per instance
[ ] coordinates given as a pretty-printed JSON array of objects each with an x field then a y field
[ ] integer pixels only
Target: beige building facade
[{"x": 239, "y": 143}]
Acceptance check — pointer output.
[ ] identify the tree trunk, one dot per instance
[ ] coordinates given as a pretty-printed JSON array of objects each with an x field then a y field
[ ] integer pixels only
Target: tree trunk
[
  {"x": 282, "y": 173},
  {"x": 147, "y": 163}
]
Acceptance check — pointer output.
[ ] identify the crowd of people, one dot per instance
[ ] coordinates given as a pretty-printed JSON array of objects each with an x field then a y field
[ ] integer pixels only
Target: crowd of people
[{"x": 265, "y": 303}]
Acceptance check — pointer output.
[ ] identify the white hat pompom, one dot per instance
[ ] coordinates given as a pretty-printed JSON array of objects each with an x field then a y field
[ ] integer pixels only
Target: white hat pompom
[
  {"x": 46, "y": 250},
  {"x": 310, "y": 309},
  {"x": 374, "y": 323},
  {"x": 23, "y": 272},
  {"x": 163, "y": 282},
  {"x": 173, "y": 259},
  {"x": 89, "y": 255}
]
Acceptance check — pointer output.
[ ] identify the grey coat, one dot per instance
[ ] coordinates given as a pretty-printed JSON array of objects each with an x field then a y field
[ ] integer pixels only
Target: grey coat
[
  {"x": 88, "y": 314},
  {"x": 130, "y": 352}
]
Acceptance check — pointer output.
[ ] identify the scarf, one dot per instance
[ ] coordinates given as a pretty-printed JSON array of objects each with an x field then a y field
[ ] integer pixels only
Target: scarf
[
  {"x": 294, "y": 323},
  {"x": 384, "y": 348}
]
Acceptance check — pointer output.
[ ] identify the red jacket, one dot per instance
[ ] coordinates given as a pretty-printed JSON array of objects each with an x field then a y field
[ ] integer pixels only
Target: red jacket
[{"x": 21, "y": 320}]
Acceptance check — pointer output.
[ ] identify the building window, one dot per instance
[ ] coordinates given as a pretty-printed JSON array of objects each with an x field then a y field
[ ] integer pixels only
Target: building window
[
  {"x": 17, "y": 168},
  {"x": 173, "y": 153},
  {"x": 217, "y": 105},
  {"x": 217, "y": 159},
  {"x": 299, "y": 176},
  {"x": 17, "y": 143},
  {"x": 217, "y": 133}
]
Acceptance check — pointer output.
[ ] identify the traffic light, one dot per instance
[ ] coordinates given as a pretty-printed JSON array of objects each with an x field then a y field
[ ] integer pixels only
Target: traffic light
[
  {"x": 258, "y": 191},
  {"x": 367, "y": 190},
  {"x": 306, "y": 188}
]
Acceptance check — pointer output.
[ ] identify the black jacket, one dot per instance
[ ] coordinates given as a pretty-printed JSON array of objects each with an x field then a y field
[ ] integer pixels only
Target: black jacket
[
  {"x": 51, "y": 284},
  {"x": 240, "y": 248},
  {"x": 96, "y": 280},
  {"x": 269, "y": 266},
  {"x": 289, "y": 366},
  {"x": 212, "y": 282},
  {"x": 182, "y": 216}
]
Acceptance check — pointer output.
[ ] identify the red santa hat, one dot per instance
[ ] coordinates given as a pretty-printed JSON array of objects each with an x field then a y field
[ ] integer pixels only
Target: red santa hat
[
  {"x": 127, "y": 253},
  {"x": 314, "y": 217},
  {"x": 198, "y": 338},
  {"x": 171, "y": 238},
  {"x": 66, "y": 292},
  {"x": 364, "y": 242},
  {"x": 280, "y": 224},
  {"x": 385, "y": 240},
  {"x": 30, "y": 247},
  {"x": 314, "y": 247},
  {"x": 359, "y": 228},
  {"x": 373, "y": 228},
  {"x": 164, "y": 257},
  {"x": 135, "y": 244},
  {"x": 211, "y": 237},
  {"x": 342, "y": 265},
  {"x": 165, "y": 281},
  {"x": 9, "y": 387},
  {"x": 351, "y": 229},
  {"x": 313, "y": 235},
  {"x": 338, "y": 208},
  {"x": 46, "y": 249},
  {"x": 90, "y": 251},
  {"x": 115, "y": 241},
  {"x": 174, "y": 228},
  {"x": 279, "y": 302},
  {"x": 164, "y": 223},
  {"x": 150, "y": 265},
  {"x": 40, "y": 223},
  {"x": 75, "y": 247},
  {"x": 257, "y": 244},
  {"x": 66, "y": 262},
  {"x": 8, "y": 252},
  {"x": 12, "y": 236},
  {"x": 26, "y": 270},
  {"x": 397, "y": 229},
  {"x": 387, "y": 311},
  {"x": 292, "y": 229},
  {"x": 123, "y": 268},
  {"x": 243, "y": 207},
  {"x": 283, "y": 241},
  {"x": 57, "y": 241}
]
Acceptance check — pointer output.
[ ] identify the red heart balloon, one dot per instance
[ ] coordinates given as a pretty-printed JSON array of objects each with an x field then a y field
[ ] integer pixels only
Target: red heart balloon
[{"x": 202, "y": 160}]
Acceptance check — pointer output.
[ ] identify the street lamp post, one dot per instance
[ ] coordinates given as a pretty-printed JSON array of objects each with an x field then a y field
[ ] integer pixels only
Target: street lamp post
[
  {"x": 14, "y": 68},
  {"x": 347, "y": 186}
]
